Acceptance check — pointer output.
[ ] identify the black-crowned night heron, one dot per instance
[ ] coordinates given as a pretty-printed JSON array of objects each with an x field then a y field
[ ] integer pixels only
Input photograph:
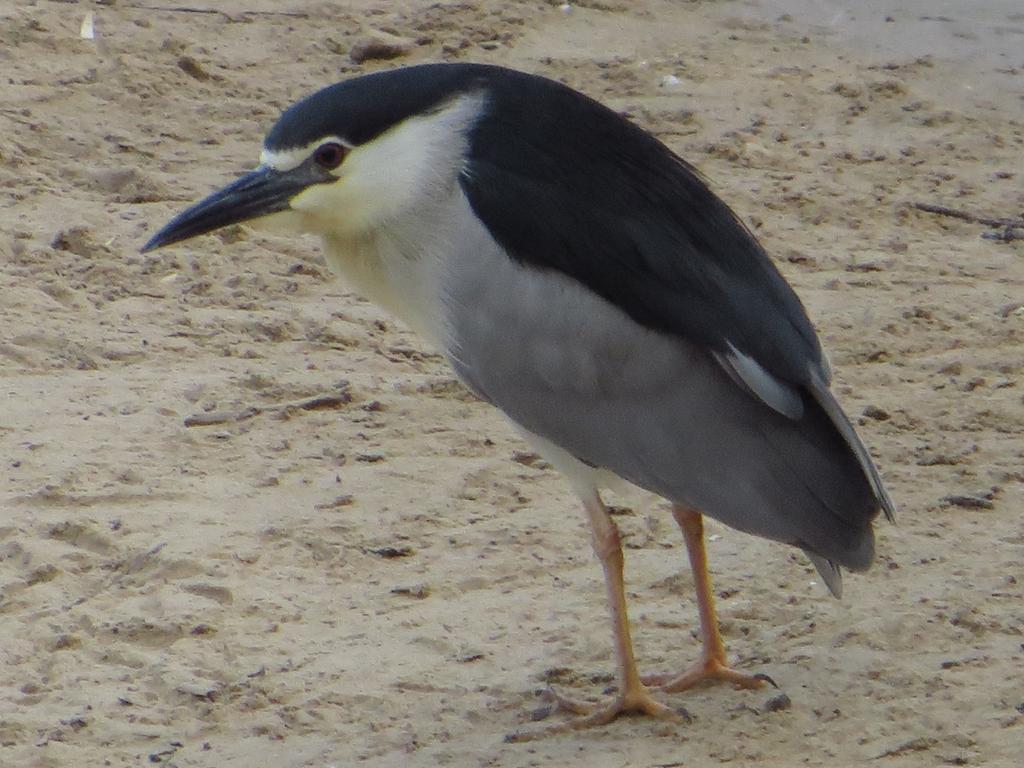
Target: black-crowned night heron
[{"x": 583, "y": 279}]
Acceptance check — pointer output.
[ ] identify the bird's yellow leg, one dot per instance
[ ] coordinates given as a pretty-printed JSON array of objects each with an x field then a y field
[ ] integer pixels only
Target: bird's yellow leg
[
  {"x": 712, "y": 665},
  {"x": 632, "y": 694}
]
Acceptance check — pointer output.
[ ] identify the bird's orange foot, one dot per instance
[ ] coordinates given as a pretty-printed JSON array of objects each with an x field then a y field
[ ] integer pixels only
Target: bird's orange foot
[
  {"x": 637, "y": 700},
  {"x": 708, "y": 669}
]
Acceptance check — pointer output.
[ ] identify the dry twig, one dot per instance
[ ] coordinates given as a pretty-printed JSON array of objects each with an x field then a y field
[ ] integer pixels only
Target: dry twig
[{"x": 1009, "y": 229}]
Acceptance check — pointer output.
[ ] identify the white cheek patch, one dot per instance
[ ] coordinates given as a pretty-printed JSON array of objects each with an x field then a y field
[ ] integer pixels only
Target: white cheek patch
[
  {"x": 405, "y": 167},
  {"x": 320, "y": 200},
  {"x": 286, "y": 222}
]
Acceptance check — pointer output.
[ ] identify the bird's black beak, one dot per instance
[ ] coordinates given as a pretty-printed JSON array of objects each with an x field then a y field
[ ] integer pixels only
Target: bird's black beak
[{"x": 259, "y": 193}]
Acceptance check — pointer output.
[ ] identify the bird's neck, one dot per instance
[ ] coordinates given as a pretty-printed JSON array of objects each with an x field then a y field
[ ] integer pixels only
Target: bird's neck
[{"x": 398, "y": 266}]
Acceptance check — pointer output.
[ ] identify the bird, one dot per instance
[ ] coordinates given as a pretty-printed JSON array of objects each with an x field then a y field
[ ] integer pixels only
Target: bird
[{"x": 584, "y": 279}]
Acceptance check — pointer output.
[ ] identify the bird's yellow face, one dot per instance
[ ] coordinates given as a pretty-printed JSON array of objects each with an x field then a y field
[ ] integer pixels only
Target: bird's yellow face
[
  {"x": 335, "y": 189},
  {"x": 379, "y": 180},
  {"x": 308, "y": 208}
]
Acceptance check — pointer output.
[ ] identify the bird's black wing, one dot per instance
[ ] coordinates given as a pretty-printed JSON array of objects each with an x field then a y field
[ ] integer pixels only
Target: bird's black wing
[{"x": 565, "y": 183}]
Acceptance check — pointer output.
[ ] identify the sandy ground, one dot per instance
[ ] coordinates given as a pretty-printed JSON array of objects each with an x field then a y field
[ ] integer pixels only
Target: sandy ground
[{"x": 202, "y": 564}]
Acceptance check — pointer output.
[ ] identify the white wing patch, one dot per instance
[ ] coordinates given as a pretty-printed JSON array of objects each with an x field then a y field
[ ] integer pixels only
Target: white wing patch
[{"x": 747, "y": 372}]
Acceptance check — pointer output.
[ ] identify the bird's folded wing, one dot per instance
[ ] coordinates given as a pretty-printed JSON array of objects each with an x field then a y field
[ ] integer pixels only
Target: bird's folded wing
[
  {"x": 653, "y": 407},
  {"x": 622, "y": 215}
]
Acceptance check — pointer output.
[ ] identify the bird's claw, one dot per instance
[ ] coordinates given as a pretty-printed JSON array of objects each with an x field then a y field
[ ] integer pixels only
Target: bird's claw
[{"x": 765, "y": 678}]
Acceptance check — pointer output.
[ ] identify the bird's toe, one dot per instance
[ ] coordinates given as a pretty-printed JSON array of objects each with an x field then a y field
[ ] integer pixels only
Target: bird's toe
[
  {"x": 705, "y": 671},
  {"x": 637, "y": 701}
]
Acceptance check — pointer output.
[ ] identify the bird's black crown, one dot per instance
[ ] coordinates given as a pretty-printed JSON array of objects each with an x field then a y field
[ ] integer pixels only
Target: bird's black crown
[{"x": 360, "y": 109}]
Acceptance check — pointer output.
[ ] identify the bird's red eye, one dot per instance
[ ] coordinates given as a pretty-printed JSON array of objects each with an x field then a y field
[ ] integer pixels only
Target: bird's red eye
[{"x": 329, "y": 155}]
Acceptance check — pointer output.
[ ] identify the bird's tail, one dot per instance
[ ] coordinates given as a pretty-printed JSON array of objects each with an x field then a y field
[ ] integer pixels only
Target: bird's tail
[{"x": 820, "y": 390}]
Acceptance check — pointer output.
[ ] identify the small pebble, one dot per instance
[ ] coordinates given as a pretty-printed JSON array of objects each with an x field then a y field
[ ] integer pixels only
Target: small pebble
[
  {"x": 379, "y": 46},
  {"x": 876, "y": 413},
  {"x": 967, "y": 501},
  {"x": 192, "y": 68},
  {"x": 392, "y": 552}
]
